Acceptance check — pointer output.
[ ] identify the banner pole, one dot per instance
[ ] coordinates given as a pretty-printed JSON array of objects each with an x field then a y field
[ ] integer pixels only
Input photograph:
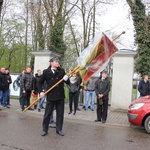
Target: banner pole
[{"x": 118, "y": 36}]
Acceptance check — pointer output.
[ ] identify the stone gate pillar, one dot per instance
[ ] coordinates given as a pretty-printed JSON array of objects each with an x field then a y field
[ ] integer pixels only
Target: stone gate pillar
[
  {"x": 122, "y": 79},
  {"x": 41, "y": 59}
]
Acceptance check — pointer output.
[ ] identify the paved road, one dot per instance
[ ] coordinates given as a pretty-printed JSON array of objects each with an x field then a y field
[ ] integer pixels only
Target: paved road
[{"x": 21, "y": 131}]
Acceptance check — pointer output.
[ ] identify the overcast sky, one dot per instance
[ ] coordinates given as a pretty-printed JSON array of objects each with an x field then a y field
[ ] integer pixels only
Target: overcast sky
[{"x": 114, "y": 19}]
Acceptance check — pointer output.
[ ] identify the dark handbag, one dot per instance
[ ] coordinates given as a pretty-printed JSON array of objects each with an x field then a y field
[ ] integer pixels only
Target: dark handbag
[{"x": 100, "y": 101}]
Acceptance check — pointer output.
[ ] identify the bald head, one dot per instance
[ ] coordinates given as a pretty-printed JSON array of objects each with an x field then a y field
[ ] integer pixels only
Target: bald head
[{"x": 3, "y": 70}]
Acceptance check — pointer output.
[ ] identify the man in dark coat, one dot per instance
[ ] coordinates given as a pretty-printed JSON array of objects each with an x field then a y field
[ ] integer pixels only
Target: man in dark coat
[
  {"x": 144, "y": 86},
  {"x": 27, "y": 86},
  {"x": 9, "y": 80},
  {"x": 3, "y": 87},
  {"x": 102, "y": 88},
  {"x": 55, "y": 98}
]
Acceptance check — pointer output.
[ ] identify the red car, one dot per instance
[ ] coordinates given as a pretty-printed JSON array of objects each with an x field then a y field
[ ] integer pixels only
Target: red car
[{"x": 139, "y": 112}]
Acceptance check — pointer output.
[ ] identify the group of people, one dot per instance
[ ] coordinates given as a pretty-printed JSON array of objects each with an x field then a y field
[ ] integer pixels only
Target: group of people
[
  {"x": 5, "y": 81},
  {"x": 41, "y": 82},
  {"x": 29, "y": 86}
]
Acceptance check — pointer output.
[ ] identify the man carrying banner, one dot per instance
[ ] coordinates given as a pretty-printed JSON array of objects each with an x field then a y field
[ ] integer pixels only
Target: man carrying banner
[
  {"x": 102, "y": 88},
  {"x": 55, "y": 98}
]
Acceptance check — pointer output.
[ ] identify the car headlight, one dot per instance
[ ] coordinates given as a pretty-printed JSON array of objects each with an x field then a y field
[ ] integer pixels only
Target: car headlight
[{"x": 136, "y": 106}]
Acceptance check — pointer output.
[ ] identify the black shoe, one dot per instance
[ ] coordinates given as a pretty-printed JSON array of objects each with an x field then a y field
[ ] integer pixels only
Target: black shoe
[
  {"x": 83, "y": 107},
  {"x": 31, "y": 109},
  {"x": 69, "y": 112},
  {"x": 89, "y": 107},
  {"x": 92, "y": 109},
  {"x": 44, "y": 133},
  {"x": 97, "y": 120},
  {"x": 74, "y": 113},
  {"x": 39, "y": 110},
  {"x": 78, "y": 109},
  {"x": 60, "y": 133}
]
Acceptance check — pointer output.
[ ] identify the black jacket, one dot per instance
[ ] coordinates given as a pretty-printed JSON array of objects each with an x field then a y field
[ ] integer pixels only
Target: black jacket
[
  {"x": 3, "y": 82},
  {"x": 44, "y": 86},
  {"x": 57, "y": 93},
  {"x": 75, "y": 86},
  {"x": 102, "y": 87},
  {"x": 9, "y": 80},
  {"x": 27, "y": 82},
  {"x": 144, "y": 88},
  {"x": 18, "y": 80}
]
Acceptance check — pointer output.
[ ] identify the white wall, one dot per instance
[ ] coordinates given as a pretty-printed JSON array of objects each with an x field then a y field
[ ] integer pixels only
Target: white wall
[
  {"x": 14, "y": 91},
  {"x": 41, "y": 59},
  {"x": 122, "y": 80}
]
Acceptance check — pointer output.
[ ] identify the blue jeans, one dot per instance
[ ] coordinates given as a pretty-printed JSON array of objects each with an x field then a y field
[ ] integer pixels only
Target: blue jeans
[
  {"x": 41, "y": 102},
  {"x": 6, "y": 98},
  {"x": 1, "y": 97},
  {"x": 90, "y": 94}
]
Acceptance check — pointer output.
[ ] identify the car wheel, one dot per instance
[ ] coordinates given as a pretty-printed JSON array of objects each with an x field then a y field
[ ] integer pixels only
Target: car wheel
[{"x": 147, "y": 124}]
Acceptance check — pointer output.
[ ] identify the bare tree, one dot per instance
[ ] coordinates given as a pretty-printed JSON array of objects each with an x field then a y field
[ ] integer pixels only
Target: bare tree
[
  {"x": 57, "y": 13},
  {"x": 88, "y": 11},
  {"x": 26, "y": 30},
  {"x": 38, "y": 24}
]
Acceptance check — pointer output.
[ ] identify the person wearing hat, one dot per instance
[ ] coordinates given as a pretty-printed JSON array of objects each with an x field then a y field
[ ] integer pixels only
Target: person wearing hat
[
  {"x": 55, "y": 97},
  {"x": 102, "y": 88}
]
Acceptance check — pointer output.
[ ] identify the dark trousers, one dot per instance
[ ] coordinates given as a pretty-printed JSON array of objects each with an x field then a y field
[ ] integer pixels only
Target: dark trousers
[
  {"x": 102, "y": 110},
  {"x": 73, "y": 97},
  {"x": 78, "y": 93},
  {"x": 81, "y": 95},
  {"x": 26, "y": 99},
  {"x": 20, "y": 97},
  {"x": 59, "y": 105}
]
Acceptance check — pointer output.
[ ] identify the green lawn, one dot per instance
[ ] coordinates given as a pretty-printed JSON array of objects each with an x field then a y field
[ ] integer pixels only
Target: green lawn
[
  {"x": 14, "y": 97},
  {"x": 134, "y": 91},
  {"x": 66, "y": 92}
]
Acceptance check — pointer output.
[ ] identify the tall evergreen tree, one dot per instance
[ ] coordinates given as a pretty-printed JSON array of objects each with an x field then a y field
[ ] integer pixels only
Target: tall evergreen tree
[
  {"x": 142, "y": 35},
  {"x": 56, "y": 35},
  {"x": 1, "y": 3}
]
